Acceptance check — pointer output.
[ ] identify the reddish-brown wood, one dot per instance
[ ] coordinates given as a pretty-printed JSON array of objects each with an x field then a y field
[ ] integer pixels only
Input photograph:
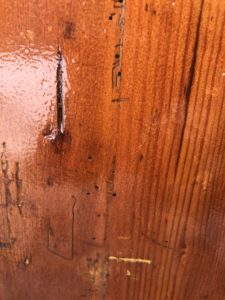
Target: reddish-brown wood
[{"x": 112, "y": 149}]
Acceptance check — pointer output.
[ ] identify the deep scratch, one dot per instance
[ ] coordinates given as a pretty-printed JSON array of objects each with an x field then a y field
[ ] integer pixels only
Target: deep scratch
[{"x": 59, "y": 87}]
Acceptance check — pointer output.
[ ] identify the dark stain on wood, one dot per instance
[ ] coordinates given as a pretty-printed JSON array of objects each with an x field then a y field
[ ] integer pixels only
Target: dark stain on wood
[{"x": 69, "y": 30}]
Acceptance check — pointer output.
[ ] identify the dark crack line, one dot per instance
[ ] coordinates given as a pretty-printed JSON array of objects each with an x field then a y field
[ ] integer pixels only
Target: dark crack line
[
  {"x": 189, "y": 85},
  {"x": 59, "y": 87}
]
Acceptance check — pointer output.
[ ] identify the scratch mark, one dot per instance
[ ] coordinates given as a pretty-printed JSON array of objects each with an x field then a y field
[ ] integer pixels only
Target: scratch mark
[
  {"x": 19, "y": 184},
  {"x": 159, "y": 244},
  {"x": 51, "y": 233},
  {"x": 111, "y": 178},
  {"x": 131, "y": 260},
  {"x": 109, "y": 193},
  {"x": 73, "y": 220},
  {"x": 54, "y": 251},
  {"x": 7, "y": 244},
  {"x": 189, "y": 85},
  {"x": 117, "y": 64},
  {"x": 118, "y": 100},
  {"x": 7, "y": 181}
]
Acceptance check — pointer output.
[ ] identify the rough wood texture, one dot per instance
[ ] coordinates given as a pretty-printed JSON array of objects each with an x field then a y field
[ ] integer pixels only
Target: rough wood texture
[{"x": 112, "y": 119}]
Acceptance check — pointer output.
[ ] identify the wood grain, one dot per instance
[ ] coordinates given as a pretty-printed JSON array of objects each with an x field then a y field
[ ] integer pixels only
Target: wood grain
[{"x": 112, "y": 140}]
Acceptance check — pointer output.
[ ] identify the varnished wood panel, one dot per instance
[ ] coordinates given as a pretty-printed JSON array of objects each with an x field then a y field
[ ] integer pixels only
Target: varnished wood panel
[{"x": 112, "y": 119}]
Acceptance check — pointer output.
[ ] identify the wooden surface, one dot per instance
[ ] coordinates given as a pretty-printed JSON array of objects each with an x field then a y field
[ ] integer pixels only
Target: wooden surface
[{"x": 112, "y": 120}]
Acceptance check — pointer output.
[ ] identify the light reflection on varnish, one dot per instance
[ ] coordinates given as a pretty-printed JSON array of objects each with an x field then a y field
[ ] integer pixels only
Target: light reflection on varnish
[{"x": 27, "y": 96}]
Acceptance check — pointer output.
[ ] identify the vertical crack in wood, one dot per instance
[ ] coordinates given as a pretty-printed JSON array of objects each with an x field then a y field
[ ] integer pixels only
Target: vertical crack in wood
[
  {"x": 59, "y": 91},
  {"x": 190, "y": 84}
]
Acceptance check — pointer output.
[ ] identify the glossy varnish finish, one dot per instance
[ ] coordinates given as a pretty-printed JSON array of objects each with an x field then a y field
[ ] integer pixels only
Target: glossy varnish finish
[{"x": 112, "y": 149}]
